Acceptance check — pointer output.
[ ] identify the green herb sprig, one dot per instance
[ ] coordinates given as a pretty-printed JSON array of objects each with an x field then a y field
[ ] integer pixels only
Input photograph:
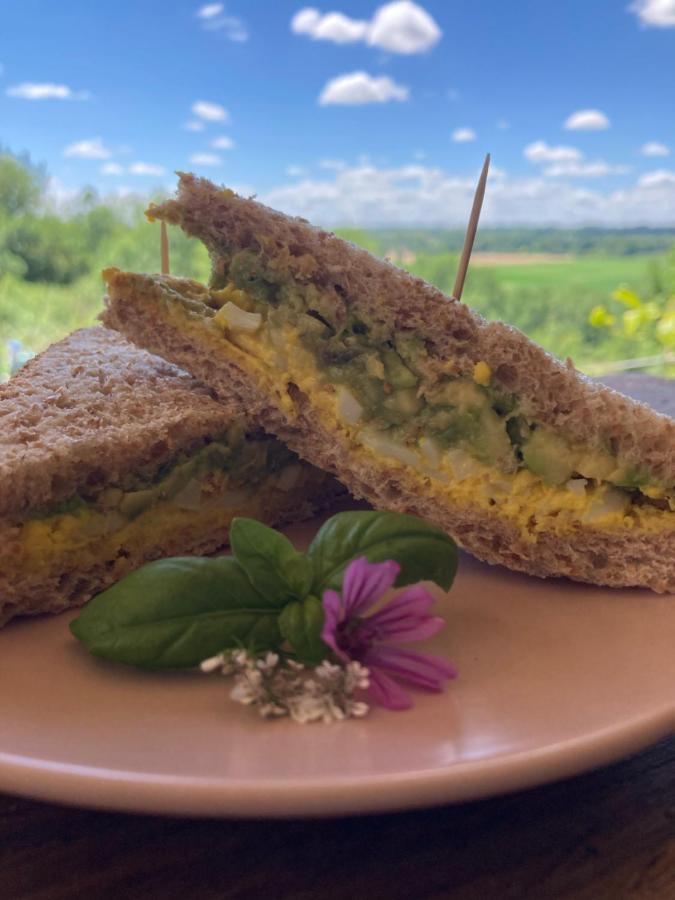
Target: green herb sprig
[{"x": 174, "y": 613}]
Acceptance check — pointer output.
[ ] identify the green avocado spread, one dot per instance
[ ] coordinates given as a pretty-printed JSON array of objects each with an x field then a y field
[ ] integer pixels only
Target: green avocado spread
[
  {"x": 179, "y": 482},
  {"x": 390, "y": 386}
]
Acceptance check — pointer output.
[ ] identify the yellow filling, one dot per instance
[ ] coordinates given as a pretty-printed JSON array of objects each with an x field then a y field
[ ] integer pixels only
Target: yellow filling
[
  {"x": 89, "y": 536},
  {"x": 277, "y": 357}
]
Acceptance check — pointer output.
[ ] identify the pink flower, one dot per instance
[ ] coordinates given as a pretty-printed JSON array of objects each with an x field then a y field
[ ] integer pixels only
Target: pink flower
[{"x": 403, "y": 619}]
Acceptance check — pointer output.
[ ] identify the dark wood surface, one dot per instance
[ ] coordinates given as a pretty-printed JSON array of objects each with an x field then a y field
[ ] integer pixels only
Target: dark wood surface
[{"x": 607, "y": 834}]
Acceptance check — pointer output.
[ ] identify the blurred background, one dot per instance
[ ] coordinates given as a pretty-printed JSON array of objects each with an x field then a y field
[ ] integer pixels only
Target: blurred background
[{"x": 370, "y": 119}]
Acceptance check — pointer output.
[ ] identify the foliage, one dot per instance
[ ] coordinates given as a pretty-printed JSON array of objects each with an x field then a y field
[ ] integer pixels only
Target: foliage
[
  {"x": 176, "y": 612},
  {"x": 639, "y": 319},
  {"x": 50, "y": 265},
  {"x": 571, "y": 241},
  {"x": 21, "y": 184}
]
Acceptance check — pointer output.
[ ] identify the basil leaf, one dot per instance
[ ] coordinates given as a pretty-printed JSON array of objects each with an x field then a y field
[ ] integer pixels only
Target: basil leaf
[
  {"x": 176, "y": 612},
  {"x": 424, "y": 551},
  {"x": 272, "y": 563},
  {"x": 300, "y": 623}
]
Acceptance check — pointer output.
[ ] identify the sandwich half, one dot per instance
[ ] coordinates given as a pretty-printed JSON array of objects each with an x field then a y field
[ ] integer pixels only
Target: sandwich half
[
  {"x": 110, "y": 457},
  {"x": 417, "y": 403}
]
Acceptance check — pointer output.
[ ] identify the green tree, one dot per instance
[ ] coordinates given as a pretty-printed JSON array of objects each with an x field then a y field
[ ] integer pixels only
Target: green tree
[{"x": 21, "y": 184}]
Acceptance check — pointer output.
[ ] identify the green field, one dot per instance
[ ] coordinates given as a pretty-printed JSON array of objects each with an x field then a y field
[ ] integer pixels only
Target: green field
[
  {"x": 50, "y": 272},
  {"x": 549, "y": 301}
]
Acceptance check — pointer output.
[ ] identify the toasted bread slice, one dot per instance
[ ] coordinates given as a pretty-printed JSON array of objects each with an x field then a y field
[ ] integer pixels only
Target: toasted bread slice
[
  {"x": 110, "y": 457},
  {"x": 417, "y": 403}
]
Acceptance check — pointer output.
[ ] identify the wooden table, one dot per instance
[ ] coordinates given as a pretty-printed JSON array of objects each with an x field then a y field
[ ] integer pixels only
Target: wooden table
[{"x": 608, "y": 834}]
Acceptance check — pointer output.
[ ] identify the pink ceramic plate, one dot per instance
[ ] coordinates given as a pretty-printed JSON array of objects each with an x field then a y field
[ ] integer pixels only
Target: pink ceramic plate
[{"x": 555, "y": 678}]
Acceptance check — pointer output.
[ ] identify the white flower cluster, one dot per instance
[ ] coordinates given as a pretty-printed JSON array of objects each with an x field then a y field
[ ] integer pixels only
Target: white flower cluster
[{"x": 284, "y": 687}]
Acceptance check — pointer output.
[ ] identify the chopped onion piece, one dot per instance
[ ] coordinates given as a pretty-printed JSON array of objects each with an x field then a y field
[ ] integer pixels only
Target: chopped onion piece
[
  {"x": 431, "y": 451},
  {"x": 385, "y": 447},
  {"x": 462, "y": 464},
  {"x": 606, "y": 502},
  {"x": 348, "y": 407},
  {"x": 577, "y": 486},
  {"x": 237, "y": 319}
]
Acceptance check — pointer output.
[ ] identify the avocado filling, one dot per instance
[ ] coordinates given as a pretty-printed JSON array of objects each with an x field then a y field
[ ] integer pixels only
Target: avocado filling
[
  {"x": 189, "y": 482},
  {"x": 389, "y": 389}
]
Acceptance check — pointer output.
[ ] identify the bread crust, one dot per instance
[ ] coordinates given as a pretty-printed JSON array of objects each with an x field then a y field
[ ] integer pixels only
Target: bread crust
[
  {"x": 26, "y": 593},
  {"x": 89, "y": 410},
  {"x": 615, "y": 558},
  {"x": 549, "y": 391},
  {"x": 83, "y": 415}
]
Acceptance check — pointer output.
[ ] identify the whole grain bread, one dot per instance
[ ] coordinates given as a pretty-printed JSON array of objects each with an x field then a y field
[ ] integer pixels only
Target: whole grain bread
[
  {"x": 68, "y": 583},
  {"x": 87, "y": 413},
  {"x": 549, "y": 391},
  {"x": 616, "y": 558},
  {"x": 91, "y": 409}
]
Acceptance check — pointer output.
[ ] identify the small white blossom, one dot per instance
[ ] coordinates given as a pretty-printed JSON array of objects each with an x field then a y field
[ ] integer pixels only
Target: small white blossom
[
  {"x": 285, "y": 687},
  {"x": 213, "y": 663}
]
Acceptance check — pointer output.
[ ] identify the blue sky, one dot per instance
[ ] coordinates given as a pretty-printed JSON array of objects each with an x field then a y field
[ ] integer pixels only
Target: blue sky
[{"x": 574, "y": 100}]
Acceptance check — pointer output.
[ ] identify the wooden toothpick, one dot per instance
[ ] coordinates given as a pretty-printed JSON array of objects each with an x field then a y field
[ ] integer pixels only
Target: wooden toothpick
[
  {"x": 471, "y": 229},
  {"x": 164, "y": 248}
]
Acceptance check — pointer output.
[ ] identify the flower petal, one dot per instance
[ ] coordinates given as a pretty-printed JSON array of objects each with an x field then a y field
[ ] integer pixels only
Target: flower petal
[
  {"x": 406, "y": 618},
  {"x": 332, "y": 616},
  {"x": 420, "y": 669},
  {"x": 410, "y": 628},
  {"x": 384, "y": 691},
  {"x": 415, "y": 600},
  {"x": 364, "y": 583}
]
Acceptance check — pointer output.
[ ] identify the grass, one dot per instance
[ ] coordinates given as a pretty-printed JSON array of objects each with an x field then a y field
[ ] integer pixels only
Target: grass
[
  {"x": 549, "y": 301},
  {"x": 588, "y": 274}
]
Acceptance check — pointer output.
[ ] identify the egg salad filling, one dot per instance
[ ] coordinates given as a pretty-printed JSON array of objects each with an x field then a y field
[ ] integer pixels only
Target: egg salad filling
[
  {"x": 198, "y": 493},
  {"x": 383, "y": 394}
]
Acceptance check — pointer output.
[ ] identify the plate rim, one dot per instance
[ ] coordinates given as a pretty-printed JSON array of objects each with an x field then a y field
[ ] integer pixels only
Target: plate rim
[{"x": 208, "y": 797}]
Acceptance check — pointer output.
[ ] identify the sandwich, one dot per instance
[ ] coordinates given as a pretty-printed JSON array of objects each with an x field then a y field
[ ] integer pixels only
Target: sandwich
[
  {"x": 414, "y": 401},
  {"x": 110, "y": 457}
]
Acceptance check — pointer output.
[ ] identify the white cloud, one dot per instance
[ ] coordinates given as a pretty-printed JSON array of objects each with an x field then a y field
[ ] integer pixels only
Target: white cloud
[
  {"x": 194, "y": 125},
  {"x": 295, "y": 171},
  {"x": 206, "y": 159},
  {"x": 143, "y": 168},
  {"x": 209, "y": 10},
  {"x": 357, "y": 88},
  {"x": 336, "y": 164},
  {"x": 45, "y": 91},
  {"x": 223, "y": 143},
  {"x": 541, "y": 152},
  {"x": 659, "y": 178},
  {"x": 657, "y": 13},
  {"x": 112, "y": 168},
  {"x": 403, "y": 27},
  {"x": 213, "y": 18},
  {"x": 654, "y": 148},
  {"x": 211, "y": 112},
  {"x": 92, "y": 148},
  {"x": 333, "y": 26},
  {"x": 587, "y": 120},
  {"x": 503, "y": 125},
  {"x": 573, "y": 169},
  {"x": 399, "y": 27},
  {"x": 414, "y": 195},
  {"x": 462, "y": 135}
]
